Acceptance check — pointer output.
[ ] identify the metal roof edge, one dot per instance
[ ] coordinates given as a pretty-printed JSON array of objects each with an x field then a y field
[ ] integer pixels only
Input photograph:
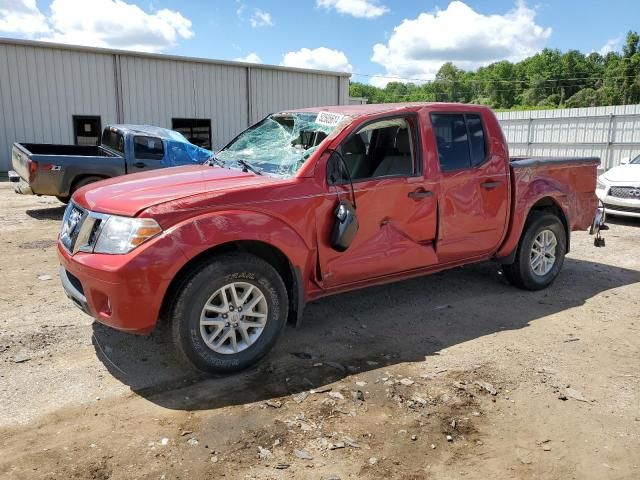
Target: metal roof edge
[{"x": 161, "y": 56}]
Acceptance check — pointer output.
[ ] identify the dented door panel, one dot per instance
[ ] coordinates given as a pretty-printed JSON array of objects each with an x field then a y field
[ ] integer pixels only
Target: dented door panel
[{"x": 396, "y": 231}]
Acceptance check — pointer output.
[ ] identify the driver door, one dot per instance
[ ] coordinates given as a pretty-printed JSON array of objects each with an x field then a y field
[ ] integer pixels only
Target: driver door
[
  {"x": 148, "y": 153},
  {"x": 395, "y": 206}
]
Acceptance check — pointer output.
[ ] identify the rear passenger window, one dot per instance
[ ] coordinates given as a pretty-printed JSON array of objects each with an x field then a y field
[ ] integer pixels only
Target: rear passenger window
[
  {"x": 148, "y": 148},
  {"x": 476, "y": 139},
  {"x": 460, "y": 140}
]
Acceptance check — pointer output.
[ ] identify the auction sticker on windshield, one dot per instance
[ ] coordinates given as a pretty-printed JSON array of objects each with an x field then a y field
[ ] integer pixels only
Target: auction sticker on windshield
[{"x": 329, "y": 119}]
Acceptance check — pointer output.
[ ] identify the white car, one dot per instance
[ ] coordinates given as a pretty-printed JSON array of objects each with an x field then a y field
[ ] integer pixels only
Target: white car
[{"x": 619, "y": 188}]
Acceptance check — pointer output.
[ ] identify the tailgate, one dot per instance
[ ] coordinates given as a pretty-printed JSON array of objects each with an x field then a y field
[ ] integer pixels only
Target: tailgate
[{"x": 20, "y": 161}]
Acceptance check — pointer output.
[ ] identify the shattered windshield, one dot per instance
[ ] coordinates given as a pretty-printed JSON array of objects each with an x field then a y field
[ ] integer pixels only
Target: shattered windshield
[{"x": 281, "y": 143}]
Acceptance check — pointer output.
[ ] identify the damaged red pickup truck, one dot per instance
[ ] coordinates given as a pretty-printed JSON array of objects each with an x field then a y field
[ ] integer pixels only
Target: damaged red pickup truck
[{"x": 309, "y": 203}]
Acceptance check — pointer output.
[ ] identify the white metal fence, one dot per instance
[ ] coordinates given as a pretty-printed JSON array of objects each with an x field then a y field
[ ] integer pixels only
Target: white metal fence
[{"x": 610, "y": 133}]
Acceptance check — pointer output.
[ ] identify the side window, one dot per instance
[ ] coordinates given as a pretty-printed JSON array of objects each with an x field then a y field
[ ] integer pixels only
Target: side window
[
  {"x": 113, "y": 139},
  {"x": 148, "y": 148},
  {"x": 380, "y": 149},
  {"x": 476, "y": 139},
  {"x": 460, "y": 140},
  {"x": 451, "y": 138}
]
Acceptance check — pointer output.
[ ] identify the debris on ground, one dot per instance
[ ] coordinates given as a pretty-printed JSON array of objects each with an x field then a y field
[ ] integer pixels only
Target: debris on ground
[
  {"x": 264, "y": 453},
  {"x": 336, "y": 395},
  {"x": 487, "y": 387},
  {"x": 575, "y": 394},
  {"x": 302, "y": 455},
  {"x": 273, "y": 403}
]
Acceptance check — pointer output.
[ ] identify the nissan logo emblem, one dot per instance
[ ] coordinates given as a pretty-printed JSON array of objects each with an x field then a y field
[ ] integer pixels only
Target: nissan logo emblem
[{"x": 635, "y": 192}]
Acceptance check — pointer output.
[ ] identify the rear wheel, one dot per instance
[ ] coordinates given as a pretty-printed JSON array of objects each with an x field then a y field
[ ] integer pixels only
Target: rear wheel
[
  {"x": 64, "y": 200},
  {"x": 540, "y": 253},
  {"x": 229, "y": 313}
]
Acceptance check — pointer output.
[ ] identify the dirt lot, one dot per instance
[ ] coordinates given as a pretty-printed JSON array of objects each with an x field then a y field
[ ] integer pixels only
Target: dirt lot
[{"x": 457, "y": 375}]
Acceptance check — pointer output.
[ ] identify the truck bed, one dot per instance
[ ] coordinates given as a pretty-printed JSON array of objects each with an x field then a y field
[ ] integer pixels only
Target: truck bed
[
  {"x": 572, "y": 181},
  {"x": 55, "y": 166},
  {"x": 69, "y": 150}
]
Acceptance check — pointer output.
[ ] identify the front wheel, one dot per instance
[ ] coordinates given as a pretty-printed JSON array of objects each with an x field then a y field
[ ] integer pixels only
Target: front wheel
[
  {"x": 229, "y": 313},
  {"x": 540, "y": 253}
]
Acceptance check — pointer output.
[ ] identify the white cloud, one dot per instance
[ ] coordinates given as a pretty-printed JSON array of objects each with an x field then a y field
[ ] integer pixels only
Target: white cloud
[
  {"x": 418, "y": 47},
  {"x": 22, "y": 17},
  {"x": 250, "y": 58},
  {"x": 612, "y": 45},
  {"x": 260, "y": 18},
  {"x": 321, "y": 58},
  {"x": 115, "y": 24},
  {"x": 355, "y": 8}
]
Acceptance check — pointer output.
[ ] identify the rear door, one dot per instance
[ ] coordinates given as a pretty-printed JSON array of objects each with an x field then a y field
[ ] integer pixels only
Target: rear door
[
  {"x": 396, "y": 211},
  {"x": 148, "y": 153},
  {"x": 474, "y": 187}
]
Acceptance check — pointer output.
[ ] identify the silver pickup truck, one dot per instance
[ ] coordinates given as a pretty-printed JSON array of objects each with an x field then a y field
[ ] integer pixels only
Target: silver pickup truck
[{"x": 60, "y": 170}]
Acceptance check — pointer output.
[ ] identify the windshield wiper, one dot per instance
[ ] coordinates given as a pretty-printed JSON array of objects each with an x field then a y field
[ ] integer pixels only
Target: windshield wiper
[
  {"x": 247, "y": 166},
  {"x": 214, "y": 160}
]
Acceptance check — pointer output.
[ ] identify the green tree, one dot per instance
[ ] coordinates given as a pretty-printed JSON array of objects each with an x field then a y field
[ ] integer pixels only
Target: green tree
[{"x": 548, "y": 79}]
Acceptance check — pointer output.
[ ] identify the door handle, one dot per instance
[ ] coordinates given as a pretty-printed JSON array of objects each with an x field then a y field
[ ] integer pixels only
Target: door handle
[
  {"x": 139, "y": 164},
  {"x": 490, "y": 185},
  {"x": 420, "y": 193}
]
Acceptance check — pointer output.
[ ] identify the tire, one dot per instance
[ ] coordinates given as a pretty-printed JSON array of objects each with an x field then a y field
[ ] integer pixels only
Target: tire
[
  {"x": 531, "y": 270},
  {"x": 64, "y": 200},
  {"x": 81, "y": 183},
  {"x": 203, "y": 287}
]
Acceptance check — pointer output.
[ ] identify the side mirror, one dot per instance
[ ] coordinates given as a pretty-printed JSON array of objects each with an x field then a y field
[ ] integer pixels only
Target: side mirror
[
  {"x": 345, "y": 226},
  {"x": 624, "y": 161}
]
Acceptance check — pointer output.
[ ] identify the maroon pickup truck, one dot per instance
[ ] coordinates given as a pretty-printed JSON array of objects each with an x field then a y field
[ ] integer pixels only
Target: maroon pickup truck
[{"x": 309, "y": 203}]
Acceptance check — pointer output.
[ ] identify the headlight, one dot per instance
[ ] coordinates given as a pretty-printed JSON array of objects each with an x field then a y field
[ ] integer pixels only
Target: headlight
[
  {"x": 120, "y": 235},
  {"x": 600, "y": 184}
]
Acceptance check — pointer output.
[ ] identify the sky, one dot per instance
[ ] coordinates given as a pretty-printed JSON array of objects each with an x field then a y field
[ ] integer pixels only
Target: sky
[{"x": 376, "y": 40}]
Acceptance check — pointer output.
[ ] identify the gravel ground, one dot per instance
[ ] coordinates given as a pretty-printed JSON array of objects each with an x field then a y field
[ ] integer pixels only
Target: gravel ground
[{"x": 456, "y": 375}]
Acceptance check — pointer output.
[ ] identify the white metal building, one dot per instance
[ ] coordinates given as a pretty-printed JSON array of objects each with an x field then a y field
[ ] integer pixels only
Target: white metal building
[
  {"x": 52, "y": 93},
  {"x": 610, "y": 133}
]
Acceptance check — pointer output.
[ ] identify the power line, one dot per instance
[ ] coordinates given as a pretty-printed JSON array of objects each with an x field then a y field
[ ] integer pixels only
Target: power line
[{"x": 432, "y": 80}]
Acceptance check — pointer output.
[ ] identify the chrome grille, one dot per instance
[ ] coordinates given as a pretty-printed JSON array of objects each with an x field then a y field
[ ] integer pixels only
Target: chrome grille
[
  {"x": 72, "y": 221},
  {"x": 80, "y": 228},
  {"x": 625, "y": 192}
]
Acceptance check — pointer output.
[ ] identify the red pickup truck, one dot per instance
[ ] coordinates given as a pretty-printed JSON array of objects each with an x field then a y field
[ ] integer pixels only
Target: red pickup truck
[{"x": 309, "y": 203}]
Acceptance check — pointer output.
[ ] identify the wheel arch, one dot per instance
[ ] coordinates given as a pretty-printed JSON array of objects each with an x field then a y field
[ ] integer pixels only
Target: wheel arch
[
  {"x": 550, "y": 205},
  {"x": 545, "y": 203},
  {"x": 290, "y": 274}
]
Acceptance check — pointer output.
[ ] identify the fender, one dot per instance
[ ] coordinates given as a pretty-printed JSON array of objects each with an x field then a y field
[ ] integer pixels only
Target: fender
[
  {"x": 525, "y": 196},
  {"x": 199, "y": 234}
]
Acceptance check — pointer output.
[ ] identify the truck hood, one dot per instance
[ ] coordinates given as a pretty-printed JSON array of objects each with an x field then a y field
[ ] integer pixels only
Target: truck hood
[
  {"x": 629, "y": 173},
  {"x": 130, "y": 194}
]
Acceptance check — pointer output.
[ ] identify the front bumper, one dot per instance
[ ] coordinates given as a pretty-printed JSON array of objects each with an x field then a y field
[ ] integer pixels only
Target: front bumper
[
  {"x": 19, "y": 185},
  {"x": 124, "y": 292},
  {"x": 626, "y": 207}
]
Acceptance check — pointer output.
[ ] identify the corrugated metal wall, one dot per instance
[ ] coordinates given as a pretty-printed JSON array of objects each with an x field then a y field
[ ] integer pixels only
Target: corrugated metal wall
[
  {"x": 155, "y": 91},
  {"x": 40, "y": 90},
  {"x": 43, "y": 85},
  {"x": 270, "y": 89},
  {"x": 610, "y": 133}
]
